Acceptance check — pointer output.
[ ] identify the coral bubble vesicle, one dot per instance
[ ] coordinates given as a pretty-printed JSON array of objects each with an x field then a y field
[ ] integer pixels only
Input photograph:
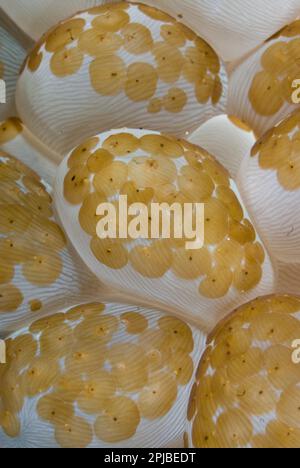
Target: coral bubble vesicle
[
  {"x": 16, "y": 139},
  {"x": 269, "y": 182},
  {"x": 114, "y": 65},
  {"x": 34, "y": 17},
  {"x": 37, "y": 270},
  {"x": 98, "y": 376},
  {"x": 149, "y": 224},
  {"x": 152, "y": 168},
  {"x": 247, "y": 388}
]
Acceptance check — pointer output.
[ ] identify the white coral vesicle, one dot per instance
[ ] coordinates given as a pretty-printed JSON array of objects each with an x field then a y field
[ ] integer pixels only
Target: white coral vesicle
[
  {"x": 38, "y": 271},
  {"x": 199, "y": 285},
  {"x": 119, "y": 65},
  {"x": 35, "y": 17},
  {"x": 263, "y": 88},
  {"x": 128, "y": 117},
  {"x": 269, "y": 182}
]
